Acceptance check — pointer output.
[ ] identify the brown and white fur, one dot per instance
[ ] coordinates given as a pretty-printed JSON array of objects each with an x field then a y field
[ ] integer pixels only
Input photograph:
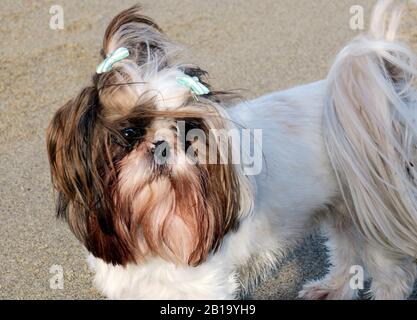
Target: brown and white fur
[{"x": 190, "y": 230}]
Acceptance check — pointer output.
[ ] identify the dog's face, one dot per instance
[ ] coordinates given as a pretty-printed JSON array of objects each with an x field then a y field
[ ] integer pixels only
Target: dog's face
[{"x": 130, "y": 183}]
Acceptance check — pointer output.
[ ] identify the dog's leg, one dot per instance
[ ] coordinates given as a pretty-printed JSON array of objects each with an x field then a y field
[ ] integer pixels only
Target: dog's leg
[
  {"x": 342, "y": 245},
  {"x": 392, "y": 277}
]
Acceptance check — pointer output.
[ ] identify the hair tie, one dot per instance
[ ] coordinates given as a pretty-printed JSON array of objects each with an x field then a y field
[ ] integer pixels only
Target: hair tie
[
  {"x": 194, "y": 84},
  {"x": 112, "y": 58}
]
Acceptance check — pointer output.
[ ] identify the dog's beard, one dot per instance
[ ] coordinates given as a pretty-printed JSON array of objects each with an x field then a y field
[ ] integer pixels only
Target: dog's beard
[{"x": 163, "y": 189}]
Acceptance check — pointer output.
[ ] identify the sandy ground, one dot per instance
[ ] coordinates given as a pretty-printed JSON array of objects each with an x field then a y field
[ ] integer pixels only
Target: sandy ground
[{"x": 258, "y": 46}]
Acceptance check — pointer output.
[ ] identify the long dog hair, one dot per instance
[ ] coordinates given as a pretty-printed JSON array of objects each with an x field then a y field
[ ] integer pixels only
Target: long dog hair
[
  {"x": 370, "y": 132},
  {"x": 196, "y": 229},
  {"x": 100, "y": 147}
]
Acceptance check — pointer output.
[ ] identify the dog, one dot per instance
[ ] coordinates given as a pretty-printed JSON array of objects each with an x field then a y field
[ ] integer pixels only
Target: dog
[{"x": 160, "y": 221}]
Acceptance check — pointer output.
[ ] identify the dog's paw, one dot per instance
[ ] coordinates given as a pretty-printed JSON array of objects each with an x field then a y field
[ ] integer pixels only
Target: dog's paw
[{"x": 326, "y": 290}]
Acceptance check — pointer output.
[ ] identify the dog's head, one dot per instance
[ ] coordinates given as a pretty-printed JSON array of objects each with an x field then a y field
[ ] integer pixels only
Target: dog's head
[{"x": 131, "y": 182}]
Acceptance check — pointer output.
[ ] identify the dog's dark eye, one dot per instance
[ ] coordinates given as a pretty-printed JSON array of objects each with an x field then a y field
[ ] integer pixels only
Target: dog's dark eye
[
  {"x": 132, "y": 134},
  {"x": 129, "y": 133}
]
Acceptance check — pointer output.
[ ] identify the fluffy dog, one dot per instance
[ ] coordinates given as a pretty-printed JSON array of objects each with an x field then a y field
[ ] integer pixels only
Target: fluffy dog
[{"x": 170, "y": 209}]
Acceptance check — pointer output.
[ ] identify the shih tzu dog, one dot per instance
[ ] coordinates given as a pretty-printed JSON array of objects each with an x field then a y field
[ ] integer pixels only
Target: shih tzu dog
[{"x": 153, "y": 176}]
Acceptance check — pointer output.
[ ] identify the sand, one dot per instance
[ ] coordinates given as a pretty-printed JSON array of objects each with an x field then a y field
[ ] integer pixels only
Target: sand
[{"x": 256, "y": 46}]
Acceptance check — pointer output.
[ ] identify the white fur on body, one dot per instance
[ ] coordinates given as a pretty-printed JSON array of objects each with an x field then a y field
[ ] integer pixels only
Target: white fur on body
[{"x": 300, "y": 178}]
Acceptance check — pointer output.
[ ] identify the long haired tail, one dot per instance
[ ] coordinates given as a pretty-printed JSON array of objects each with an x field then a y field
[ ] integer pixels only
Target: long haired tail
[{"x": 370, "y": 129}]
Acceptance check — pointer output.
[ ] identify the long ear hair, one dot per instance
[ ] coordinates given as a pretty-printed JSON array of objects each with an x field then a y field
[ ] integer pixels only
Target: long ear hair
[{"x": 82, "y": 171}]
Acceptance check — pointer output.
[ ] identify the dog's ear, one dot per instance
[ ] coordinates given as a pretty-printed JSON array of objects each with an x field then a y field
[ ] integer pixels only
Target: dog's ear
[{"x": 80, "y": 155}]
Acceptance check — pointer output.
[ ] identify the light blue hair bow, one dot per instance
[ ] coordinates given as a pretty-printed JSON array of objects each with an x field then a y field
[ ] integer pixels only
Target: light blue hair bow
[
  {"x": 194, "y": 84},
  {"x": 112, "y": 58}
]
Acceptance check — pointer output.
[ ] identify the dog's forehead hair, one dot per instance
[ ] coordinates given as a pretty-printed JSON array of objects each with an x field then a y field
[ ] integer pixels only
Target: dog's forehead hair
[{"x": 129, "y": 85}]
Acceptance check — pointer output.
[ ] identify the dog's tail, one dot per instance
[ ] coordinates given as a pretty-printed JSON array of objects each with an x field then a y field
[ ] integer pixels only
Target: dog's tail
[{"x": 370, "y": 129}]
